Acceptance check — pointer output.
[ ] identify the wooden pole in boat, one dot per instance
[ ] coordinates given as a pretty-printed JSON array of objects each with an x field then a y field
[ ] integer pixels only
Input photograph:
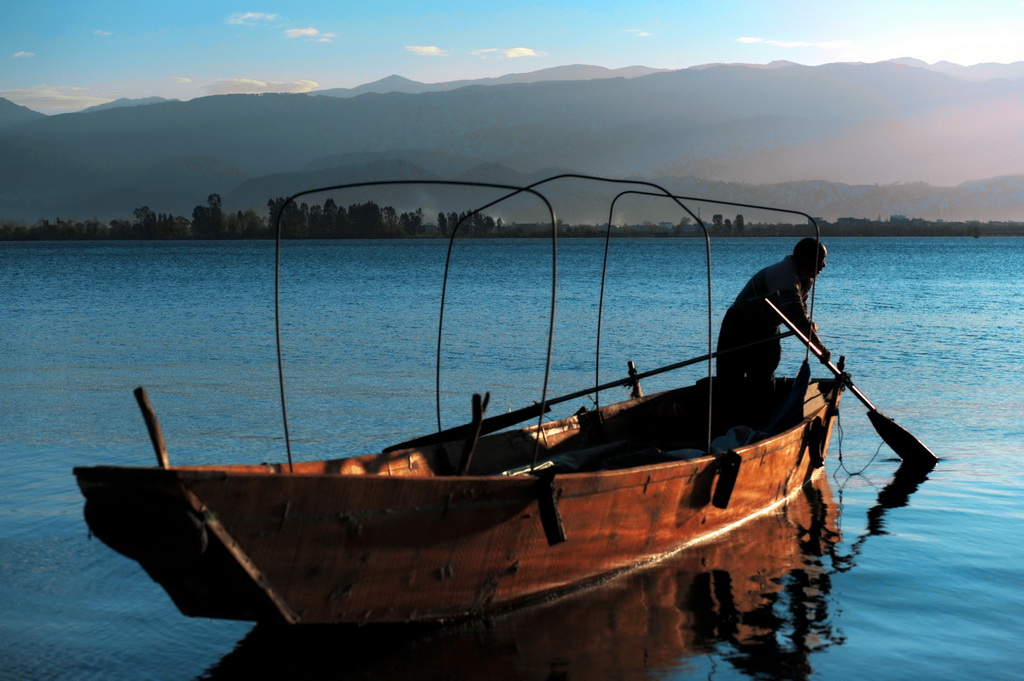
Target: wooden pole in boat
[
  {"x": 635, "y": 390},
  {"x": 479, "y": 409},
  {"x": 153, "y": 426},
  {"x": 906, "y": 446},
  {"x": 493, "y": 424}
]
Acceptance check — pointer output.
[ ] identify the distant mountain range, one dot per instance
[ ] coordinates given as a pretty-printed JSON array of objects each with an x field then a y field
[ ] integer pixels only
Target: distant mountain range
[
  {"x": 117, "y": 103},
  {"x": 935, "y": 141},
  {"x": 990, "y": 71},
  {"x": 572, "y": 72},
  {"x": 14, "y": 114}
]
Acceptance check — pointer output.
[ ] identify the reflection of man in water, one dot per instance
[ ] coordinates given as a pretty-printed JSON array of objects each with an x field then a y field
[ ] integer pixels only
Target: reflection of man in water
[{"x": 750, "y": 320}]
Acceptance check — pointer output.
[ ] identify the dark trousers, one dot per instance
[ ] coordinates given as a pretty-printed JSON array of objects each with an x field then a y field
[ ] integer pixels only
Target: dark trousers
[
  {"x": 757, "y": 362},
  {"x": 747, "y": 377}
]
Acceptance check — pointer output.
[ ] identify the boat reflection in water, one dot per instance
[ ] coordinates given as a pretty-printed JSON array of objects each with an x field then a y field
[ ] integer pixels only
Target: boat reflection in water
[{"x": 756, "y": 597}]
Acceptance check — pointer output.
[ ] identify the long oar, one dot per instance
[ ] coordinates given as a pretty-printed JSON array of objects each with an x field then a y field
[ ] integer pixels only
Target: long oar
[
  {"x": 906, "y": 446},
  {"x": 495, "y": 423}
]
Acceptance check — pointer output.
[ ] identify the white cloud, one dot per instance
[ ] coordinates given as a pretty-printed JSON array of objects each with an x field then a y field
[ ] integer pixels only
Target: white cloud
[
  {"x": 251, "y": 18},
  {"x": 102, "y": 33},
  {"x": 239, "y": 86},
  {"x": 517, "y": 52},
  {"x": 54, "y": 100},
  {"x": 181, "y": 79},
  {"x": 639, "y": 32},
  {"x": 510, "y": 53},
  {"x": 23, "y": 55},
  {"x": 310, "y": 33},
  {"x": 426, "y": 50}
]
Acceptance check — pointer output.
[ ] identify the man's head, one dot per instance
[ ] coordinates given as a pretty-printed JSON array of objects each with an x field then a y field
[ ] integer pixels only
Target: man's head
[{"x": 809, "y": 255}]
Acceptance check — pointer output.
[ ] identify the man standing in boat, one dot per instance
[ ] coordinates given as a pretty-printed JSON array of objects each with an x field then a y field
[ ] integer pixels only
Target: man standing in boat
[{"x": 749, "y": 320}]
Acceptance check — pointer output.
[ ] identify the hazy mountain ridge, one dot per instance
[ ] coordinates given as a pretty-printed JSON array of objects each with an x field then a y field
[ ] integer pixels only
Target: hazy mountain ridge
[
  {"x": 124, "y": 101},
  {"x": 15, "y": 114},
  {"x": 395, "y": 83},
  {"x": 988, "y": 71},
  {"x": 840, "y": 125},
  {"x": 579, "y": 201}
]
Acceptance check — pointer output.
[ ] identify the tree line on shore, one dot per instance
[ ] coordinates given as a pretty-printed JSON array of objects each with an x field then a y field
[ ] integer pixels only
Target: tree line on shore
[
  {"x": 211, "y": 221},
  {"x": 372, "y": 221}
]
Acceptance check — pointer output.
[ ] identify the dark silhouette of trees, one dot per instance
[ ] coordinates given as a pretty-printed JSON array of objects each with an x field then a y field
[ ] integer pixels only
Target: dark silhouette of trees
[
  {"x": 412, "y": 223},
  {"x": 372, "y": 221},
  {"x": 145, "y": 222},
  {"x": 244, "y": 225},
  {"x": 331, "y": 221},
  {"x": 366, "y": 220},
  {"x": 208, "y": 220}
]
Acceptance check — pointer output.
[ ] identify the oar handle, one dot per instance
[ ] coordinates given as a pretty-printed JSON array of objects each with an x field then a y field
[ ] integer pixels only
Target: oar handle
[{"x": 819, "y": 353}]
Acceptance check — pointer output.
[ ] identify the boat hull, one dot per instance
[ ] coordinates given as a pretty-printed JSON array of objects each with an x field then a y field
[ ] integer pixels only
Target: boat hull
[{"x": 407, "y": 544}]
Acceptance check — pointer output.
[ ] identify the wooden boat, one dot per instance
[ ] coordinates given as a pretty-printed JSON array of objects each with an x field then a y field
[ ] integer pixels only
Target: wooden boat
[
  {"x": 401, "y": 536},
  {"x": 455, "y": 524},
  {"x": 732, "y": 589}
]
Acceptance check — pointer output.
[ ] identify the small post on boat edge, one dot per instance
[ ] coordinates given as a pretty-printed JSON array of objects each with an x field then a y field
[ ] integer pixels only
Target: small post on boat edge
[
  {"x": 156, "y": 436},
  {"x": 479, "y": 409},
  {"x": 911, "y": 450}
]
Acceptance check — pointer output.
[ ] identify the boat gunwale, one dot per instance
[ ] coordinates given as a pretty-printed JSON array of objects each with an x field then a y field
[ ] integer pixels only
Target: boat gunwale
[
  {"x": 575, "y": 484},
  {"x": 221, "y": 471}
]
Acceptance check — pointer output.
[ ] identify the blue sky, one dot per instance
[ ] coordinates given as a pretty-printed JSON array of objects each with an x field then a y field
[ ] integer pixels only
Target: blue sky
[{"x": 65, "y": 55}]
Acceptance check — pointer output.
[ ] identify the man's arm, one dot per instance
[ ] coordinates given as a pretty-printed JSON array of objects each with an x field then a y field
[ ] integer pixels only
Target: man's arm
[{"x": 791, "y": 304}]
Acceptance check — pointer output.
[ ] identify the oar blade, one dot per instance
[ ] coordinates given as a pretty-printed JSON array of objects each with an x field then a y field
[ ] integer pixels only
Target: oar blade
[{"x": 907, "y": 447}]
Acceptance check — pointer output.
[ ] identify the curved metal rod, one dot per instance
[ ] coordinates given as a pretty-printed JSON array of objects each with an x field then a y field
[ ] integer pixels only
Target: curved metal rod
[
  {"x": 514, "y": 191},
  {"x": 707, "y": 251},
  {"x": 817, "y": 232},
  {"x": 596, "y": 178},
  {"x": 554, "y": 290},
  {"x": 379, "y": 183},
  {"x": 551, "y": 319},
  {"x": 665, "y": 193}
]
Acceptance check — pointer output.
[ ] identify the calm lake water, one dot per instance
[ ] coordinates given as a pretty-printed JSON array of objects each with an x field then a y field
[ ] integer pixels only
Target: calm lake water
[{"x": 853, "y": 580}]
